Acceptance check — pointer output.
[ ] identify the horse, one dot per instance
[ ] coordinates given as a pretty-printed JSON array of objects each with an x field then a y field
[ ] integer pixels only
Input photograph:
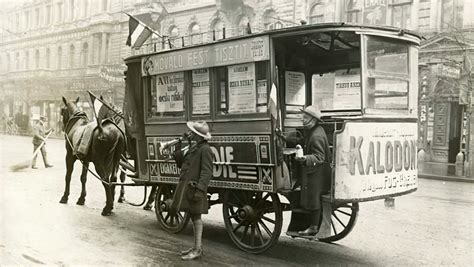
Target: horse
[{"x": 106, "y": 148}]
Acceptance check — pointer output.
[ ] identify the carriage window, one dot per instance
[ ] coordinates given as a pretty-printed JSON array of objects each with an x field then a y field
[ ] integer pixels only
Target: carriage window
[
  {"x": 387, "y": 72},
  {"x": 200, "y": 92},
  {"x": 167, "y": 95},
  {"x": 243, "y": 88},
  {"x": 338, "y": 90}
]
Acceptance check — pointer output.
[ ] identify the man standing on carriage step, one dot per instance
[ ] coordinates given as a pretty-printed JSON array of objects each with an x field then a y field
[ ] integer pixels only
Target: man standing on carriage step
[
  {"x": 196, "y": 173},
  {"x": 315, "y": 166},
  {"x": 39, "y": 134}
]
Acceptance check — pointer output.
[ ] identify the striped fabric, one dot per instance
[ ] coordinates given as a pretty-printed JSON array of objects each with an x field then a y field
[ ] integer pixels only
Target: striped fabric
[{"x": 138, "y": 32}]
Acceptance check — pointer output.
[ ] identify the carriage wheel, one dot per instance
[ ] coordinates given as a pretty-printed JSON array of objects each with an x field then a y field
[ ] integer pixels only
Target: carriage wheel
[
  {"x": 253, "y": 220},
  {"x": 343, "y": 219},
  {"x": 172, "y": 223}
]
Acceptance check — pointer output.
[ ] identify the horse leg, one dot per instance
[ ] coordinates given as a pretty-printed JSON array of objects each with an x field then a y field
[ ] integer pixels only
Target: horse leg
[
  {"x": 106, "y": 211},
  {"x": 69, "y": 167},
  {"x": 82, "y": 198},
  {"x": 122, "y": 188},
  {"x": 151, "y": 198}
]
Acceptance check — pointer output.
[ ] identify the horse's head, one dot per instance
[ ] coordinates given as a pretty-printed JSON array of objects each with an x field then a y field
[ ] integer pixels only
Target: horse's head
[{"x": 69, "y": 108}]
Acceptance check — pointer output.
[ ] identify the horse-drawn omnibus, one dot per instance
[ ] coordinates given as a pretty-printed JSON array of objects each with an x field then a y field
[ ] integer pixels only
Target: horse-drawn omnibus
[{"x": 250, "y": 89}]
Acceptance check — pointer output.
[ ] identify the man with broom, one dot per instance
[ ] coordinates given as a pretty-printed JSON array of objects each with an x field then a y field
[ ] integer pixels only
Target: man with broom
[{"x": 39, "y": 137}]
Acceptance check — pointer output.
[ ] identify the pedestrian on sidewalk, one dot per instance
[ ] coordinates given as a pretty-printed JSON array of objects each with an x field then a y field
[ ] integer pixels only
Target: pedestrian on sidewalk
[
  {"x": 39, "y": 134},
  {"x": 196, "y": 173}
]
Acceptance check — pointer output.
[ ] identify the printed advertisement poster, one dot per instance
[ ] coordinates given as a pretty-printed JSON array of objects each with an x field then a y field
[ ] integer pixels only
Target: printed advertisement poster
[
  {"x": 347, "y": 89},
  {"x": 323, "y": 90},
  {"x": 375, "y": 160},
  {"x": 295, "y": 88},
  {"x": 201, "y": 91},
  {"x": 262, "y": 96},
  {"x": 169, "y": 91},
  {"x": 242, "y": 90}
]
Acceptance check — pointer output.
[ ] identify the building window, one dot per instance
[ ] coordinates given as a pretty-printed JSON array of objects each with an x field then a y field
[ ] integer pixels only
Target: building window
[
  {"x": 27, "y": 19},
  {"x": 353, "y": 11},
  {"x": 71, "y": 9},
  {"x": 17, "y": 61},
  {"x": 84, "y": 54},
  {"x": 17, "y": 21},
  {"x": 86, "y": 7},
  {"x": 316, "y": 15},
  {"x": 104, "y": 5},
  {"x": 72, "y": 63},
  {"x": 194, "y": 34},
  {"x": 48, "y": 14},
  {"x": 48, "y": 58},
  {"x": 173, "y": 34},
  {"x": 37, "y": 59},
  {"x": 243, "y": 25},
  {"x": 60, "y": 12},
  {"x": 58, "y": 58},
  {"x": 271, "y": 21},
  {"x": 217, "y": 29},
  {"x": 37, "y": 17},
  {"x": 27, "y": 60},
  {"x": 401, "y": 13},
  {"x": 451, "y": 14}
]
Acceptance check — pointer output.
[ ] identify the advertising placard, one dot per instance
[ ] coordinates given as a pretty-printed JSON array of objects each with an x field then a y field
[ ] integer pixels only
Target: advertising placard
[
  {"x": 200, "y": 91},
  {"x": 295, "y": 88},
  {"x": 347, "y": 90},
  {"x": 242, "y": 90},
  {"x": 236, "y": 160},
  {"x": 375, "y": 160},
  {"x": 219, "y": 54},
  {"x": 169, "y": 91}
]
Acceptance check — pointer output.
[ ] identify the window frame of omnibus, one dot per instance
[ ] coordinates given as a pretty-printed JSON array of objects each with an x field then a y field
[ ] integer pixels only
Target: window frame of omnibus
[
  {"x": 371, "y": 75},
  {"x": 218, "y": 80}
]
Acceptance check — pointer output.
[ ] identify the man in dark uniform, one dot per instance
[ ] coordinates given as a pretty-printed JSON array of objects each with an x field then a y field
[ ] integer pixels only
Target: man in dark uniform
[
  {"x": 39, "y": 134},
  {"x": 315, "y": 162}
]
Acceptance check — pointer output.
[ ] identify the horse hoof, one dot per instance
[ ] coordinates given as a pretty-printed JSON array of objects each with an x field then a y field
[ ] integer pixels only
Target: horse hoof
[
  {"x": 106, "y": 212},
  {"x": 63, "y": 200},
  {"x": 80, "y": 202},
  {"x": 147, "y": 207},
  {"x": 121, "y": 200}
]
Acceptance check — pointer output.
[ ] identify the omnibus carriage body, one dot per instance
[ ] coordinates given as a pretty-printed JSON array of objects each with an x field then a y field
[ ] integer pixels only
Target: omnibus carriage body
[{"x": 251, "y": 88}]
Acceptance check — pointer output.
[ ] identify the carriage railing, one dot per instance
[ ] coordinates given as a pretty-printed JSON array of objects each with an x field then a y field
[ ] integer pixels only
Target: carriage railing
[{"x": 157, "y": 44}]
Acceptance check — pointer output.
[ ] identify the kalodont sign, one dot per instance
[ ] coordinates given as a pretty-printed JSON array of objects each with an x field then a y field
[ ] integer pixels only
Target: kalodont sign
[{"x": 375, "y": 163}]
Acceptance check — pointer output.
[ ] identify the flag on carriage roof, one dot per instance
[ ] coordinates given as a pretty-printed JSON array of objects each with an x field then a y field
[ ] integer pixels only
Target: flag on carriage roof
[{"x": 138, "y": 32}]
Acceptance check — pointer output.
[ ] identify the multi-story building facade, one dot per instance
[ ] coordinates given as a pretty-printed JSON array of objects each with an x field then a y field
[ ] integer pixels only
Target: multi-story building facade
[{"x": 50, "y": 48}]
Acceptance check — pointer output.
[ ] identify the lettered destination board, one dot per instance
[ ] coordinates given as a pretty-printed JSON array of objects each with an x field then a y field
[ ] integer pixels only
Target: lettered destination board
[{"x": 375, "y": 160}]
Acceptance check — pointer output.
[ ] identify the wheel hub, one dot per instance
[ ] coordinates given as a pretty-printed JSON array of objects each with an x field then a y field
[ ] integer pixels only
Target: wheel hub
[
  {"x": 247, "y": 214},
  {"x": 165, "y": 205}
]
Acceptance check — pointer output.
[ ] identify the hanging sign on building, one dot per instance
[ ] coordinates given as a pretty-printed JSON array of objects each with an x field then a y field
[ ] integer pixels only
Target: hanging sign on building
[{"x": 446, "y": 71}]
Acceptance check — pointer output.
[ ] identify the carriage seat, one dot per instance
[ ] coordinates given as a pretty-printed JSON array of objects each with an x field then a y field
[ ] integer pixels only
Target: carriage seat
[{"x": 82, "y": 139}]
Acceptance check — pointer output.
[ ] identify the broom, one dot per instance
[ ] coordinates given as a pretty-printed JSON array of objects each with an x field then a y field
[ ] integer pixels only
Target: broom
[{"x": 26, "y": 164}]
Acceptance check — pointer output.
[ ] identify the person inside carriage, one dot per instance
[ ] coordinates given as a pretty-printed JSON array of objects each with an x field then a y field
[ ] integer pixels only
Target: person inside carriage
[{"x": 313, "y": 174}]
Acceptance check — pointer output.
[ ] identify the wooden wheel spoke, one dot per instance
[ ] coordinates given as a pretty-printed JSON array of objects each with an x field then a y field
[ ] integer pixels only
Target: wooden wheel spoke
[
  {"x": 167, "y": 217},
  {"x": 343, "y": 212},
  {"x": 244, "y": 234},
  {"x": 259, "y": 232},
  {"x": 268, "y": 219},
  {"x": 262, "y": 200},
  {"x": 238, "y": 226},
  {"x": 337, "y": 218},
  {"x": 180, "y": 217},
  {"x": 265, "y": 227},
  {"x": 333, "y": 227},
  {"x": 252, "y": 235}
]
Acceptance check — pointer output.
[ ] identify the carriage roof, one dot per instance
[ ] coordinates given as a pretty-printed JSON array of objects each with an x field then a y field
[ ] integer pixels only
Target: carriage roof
[{"x": 301, "y": 29}]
